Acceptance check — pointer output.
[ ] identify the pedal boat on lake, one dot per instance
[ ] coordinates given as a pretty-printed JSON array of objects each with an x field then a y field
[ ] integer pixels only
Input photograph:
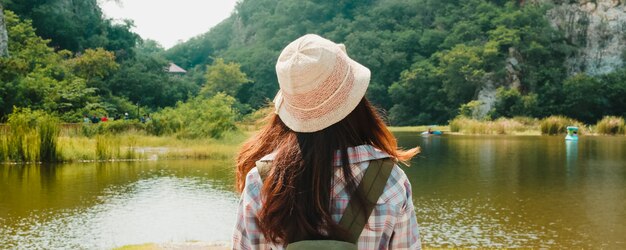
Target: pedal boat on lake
[
  {"x": 572, "y": 133},
  {"x": 431, "y": 132}
]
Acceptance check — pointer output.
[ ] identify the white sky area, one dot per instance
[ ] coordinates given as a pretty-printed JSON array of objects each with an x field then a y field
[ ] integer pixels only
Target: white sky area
[{"x": 169, "y": 21}]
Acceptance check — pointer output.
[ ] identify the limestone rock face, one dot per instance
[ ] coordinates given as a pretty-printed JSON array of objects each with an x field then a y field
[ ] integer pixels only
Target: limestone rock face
[
  {"x": 597, "y": 28},
  {"x": 4, "y": 38}
]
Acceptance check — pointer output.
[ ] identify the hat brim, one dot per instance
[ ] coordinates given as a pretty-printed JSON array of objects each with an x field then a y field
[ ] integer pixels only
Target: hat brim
[{"x": 361, "y": 81}]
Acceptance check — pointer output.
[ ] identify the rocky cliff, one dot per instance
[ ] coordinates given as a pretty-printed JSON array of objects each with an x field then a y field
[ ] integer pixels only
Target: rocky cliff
[
  {"x": 4, "y": 39},
  {"x": 597, "y": 28}
]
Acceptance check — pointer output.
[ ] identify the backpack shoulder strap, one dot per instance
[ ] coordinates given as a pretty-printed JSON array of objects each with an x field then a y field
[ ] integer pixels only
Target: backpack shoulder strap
[{"x": 371, "y": 186}]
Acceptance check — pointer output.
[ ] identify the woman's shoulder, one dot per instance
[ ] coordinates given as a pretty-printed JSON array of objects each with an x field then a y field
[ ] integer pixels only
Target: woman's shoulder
[{"x": 398, "y": 188}]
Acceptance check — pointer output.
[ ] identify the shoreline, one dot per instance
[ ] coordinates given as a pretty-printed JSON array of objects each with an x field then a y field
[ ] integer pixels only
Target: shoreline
[{"x": 193, "y": 245}]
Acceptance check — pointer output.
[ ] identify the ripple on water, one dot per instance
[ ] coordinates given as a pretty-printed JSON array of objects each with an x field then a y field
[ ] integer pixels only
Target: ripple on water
[
  {"x": 475, "y": 222},
  {"x": 159, "y": 209}
]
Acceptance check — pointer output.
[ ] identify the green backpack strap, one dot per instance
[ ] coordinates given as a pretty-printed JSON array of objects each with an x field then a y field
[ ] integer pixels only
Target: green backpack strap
[{"x": 371, "y": 186}]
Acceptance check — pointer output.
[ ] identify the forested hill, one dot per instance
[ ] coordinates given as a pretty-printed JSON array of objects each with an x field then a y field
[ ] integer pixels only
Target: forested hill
[
  {"x": 434, "y": 59},
  {"x": 64, "y": 57}
]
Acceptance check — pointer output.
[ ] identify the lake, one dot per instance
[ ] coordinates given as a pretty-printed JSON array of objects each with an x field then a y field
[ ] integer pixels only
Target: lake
[{"x": 469, "y": 191}]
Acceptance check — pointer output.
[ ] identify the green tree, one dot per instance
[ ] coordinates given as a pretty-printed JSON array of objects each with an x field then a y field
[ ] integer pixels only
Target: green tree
[
  {"x": 94, "y": 63},
  {"x": 585, "y": 99},
  {"x": 75, "y": 25},
  {"x": 223, "y": 77},
  {"x": 37, "y": 77},
  {"x": 462, "y": 72}
]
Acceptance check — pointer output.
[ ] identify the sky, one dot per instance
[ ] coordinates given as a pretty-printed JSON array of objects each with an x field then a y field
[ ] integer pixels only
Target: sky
[{"x": 170, "y": 21}]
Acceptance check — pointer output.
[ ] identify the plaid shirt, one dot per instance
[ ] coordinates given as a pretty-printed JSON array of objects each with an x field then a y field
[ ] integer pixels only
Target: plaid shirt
[{"x": 392, "y": 224}]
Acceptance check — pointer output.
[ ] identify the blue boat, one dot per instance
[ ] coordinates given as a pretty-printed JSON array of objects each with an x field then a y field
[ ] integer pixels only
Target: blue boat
[
  {"x": 431, "y": 132},
  {"x": 572, "y": 133}
]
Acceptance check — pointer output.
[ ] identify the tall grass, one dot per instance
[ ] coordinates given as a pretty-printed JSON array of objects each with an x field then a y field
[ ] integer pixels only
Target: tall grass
[
  {"x": 3, "y": 146},
  {"x": 108, "y": 147},
  {"x": 48, "y": 129},
  {"x": 611, "y": 125},
  {"x": 501, "y": 126},
  {"x": 22, "y": 141},
  {"x": 555, "y": 125},
  {"x": 31, "y": 137}
]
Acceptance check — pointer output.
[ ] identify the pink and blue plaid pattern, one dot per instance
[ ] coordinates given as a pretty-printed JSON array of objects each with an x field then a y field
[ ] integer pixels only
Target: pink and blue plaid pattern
[{"x": 392, "y": 224}]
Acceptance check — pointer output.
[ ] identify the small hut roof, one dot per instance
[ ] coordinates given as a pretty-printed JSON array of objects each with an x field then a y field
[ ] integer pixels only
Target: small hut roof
[{"x": 173, "y": 68}]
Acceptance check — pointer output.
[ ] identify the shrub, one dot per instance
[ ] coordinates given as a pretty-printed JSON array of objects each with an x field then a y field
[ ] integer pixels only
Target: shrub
[
  {"x": 611, "y": 125},
  {"x": 197, "y": 118},
  {"x": 554, "y": 125},
  {"x": 112, "y": 127}
]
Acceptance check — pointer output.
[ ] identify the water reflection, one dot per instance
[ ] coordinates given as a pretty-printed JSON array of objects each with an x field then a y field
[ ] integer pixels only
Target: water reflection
[
  {"x": 95, "y": 206},
  {"x": 498, "y": 191},
  {"x": 469, "y": 191},
  {"x": 571, "y": 151}
]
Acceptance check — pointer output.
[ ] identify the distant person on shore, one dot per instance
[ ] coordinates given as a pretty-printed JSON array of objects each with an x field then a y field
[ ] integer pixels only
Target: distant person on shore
[
  {"x": 95, "y": 119},
  {"x": 126, "y": 117},
  {"x": 86, "y": 119},
  {"x": 145, "y": 118},
  {"x": 104, "y": 118},
  {"x": 323, "y": 148}
]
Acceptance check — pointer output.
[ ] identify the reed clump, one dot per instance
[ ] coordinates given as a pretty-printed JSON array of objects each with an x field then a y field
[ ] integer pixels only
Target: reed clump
[
  {"x": 48, "y": 130},
  {"x": 611, "y": 125},
  {"x": 31, "y": 137},
  {"x": 554, "y": 125},
  {"x": 108, "y": 147},
  {"x": 501, "y": 126}
]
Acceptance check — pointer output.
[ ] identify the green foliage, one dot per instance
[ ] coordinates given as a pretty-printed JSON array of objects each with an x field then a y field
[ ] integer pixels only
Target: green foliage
[
  {"x": 115, "y": 127},
  {"x": 429, "y": 59},
  {"x": 461, "y": 71},
  {"x": 223, "y": 77},
  {"x": 31, "y": 137},
  {"x": 94, "y": 81},
  {"x": 554, "y": 125},
  {"x": 611, "y": 125},
  {"x": 470, "y": 109},
  {"x": 585, "y": 98},
  {"x": 94, "y": 63},
  {"x": 198, "y": 118},
  {"x": 37, "y": 77},
  {"x": 143, "y": 80},
  {"x": 75, "y": 25},
  {"x": 511, "y": 103},
  {"x": 108, "y": 147},
  {"x": 48, "y": 130}
]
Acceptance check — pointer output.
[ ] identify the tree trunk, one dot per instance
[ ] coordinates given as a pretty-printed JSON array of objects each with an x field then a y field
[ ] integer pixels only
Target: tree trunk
[{"x": 4, "y": 37}]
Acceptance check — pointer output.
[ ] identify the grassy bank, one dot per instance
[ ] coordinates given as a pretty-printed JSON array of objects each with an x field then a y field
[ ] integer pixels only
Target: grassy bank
[
  {"x": 132, "y": 145},
  {"x": 140, "y": 146},
  {"x": 553, "y": 125},
  {"x": 502, "y": 126},
  {"x": 444, "y": 128}
]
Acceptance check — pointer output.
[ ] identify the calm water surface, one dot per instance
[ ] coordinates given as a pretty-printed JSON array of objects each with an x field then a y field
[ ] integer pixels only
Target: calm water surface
[
  {"x": 502, "y": 191},
  {"x": 100, "y": 206},
  {"x": 469, "y": 191}
]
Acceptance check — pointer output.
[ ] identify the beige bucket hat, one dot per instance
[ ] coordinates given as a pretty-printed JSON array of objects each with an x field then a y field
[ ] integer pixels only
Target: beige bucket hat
[{"x": 319, "y": 84}]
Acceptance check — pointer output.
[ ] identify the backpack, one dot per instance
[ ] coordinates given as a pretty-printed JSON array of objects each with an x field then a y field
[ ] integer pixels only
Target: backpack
[{"x": 372, "y": 185}]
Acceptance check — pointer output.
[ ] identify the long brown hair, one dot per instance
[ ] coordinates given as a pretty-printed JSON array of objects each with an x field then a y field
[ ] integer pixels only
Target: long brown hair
[{"x": 297, "y": 204}]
